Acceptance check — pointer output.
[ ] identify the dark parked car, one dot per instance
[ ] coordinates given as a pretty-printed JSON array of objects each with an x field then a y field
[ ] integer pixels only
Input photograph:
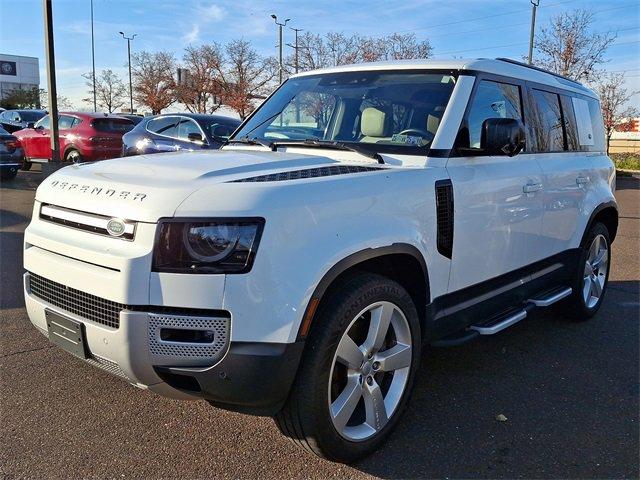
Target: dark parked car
[
  {"x": 11, "y": 155},
  {"x": 178, "y": 131},
  {"x": 14, "y": 120}
]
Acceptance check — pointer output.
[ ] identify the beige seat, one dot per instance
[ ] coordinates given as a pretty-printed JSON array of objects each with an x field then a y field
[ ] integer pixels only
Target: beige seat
[
  {"x": 375, "y": 125},
  {"x": 433, "y": 120}
]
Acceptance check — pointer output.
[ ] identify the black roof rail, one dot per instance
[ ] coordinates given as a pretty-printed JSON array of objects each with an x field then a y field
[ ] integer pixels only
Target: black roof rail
[{"x": 543, "y": 70}]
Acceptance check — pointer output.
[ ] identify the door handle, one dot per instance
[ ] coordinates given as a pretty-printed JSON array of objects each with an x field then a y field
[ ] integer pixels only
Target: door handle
[
  {"x": 582, "y": 180},
  {"x": 532, "y": 187}
]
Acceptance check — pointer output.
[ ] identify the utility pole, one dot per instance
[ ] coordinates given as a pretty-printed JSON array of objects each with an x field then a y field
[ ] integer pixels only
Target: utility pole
[
  {"x": 295, "y": 47},
  {"x": 280, "y": 25},
  {"x": 128, "y": 39},
  {"x": 51, "y": 80},
  {"x": 534, "y": 6},
  {"x": 93, "y": 62}
]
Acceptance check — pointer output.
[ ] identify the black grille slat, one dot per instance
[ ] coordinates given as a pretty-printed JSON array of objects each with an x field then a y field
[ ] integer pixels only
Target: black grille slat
[
  {"x": 309, "y": 173},
  {"x": 444, "y": 213},
  {"x": 85, "y": 305}
]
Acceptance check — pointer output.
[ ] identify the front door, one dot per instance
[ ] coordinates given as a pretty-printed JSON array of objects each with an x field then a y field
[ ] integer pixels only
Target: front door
[
  {"x": 497, "y": 199},
  {"x": 39, "y": 146}
]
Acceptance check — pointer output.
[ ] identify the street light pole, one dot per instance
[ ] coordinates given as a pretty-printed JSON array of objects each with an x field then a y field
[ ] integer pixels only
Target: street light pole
[
  {"x": 51, "y": 80},
  {"x": 128, "y": 39},
  {"x": 534, "y": 6},
  {"x": 93, "y": 62},
  {"x": 280, "y": 25},
  {"x": 296, "y": 45}
]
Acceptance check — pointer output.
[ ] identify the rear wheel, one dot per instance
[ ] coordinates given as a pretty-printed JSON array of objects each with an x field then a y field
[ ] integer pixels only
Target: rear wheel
[
  {"x": 8, "y": 173},
  {"x": 357, "y": 372},
  {"x": 73, "y": 156},
  {"x": 592, "y": 275}
]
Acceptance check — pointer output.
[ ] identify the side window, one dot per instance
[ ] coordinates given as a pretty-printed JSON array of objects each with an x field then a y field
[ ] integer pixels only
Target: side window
[
  {"x": 491, "y": 100},
  {"x": 570, "y": 124},
  {"x": 65, "y": 122},
  {"x": 76, "y": 122},
  {"x": 546, "y": 122},
  {"x": 186, "y": 127},
  {"x": 167, "y": 126},
  {"x": 43, "y": 122},
  {"x": 597, "y": 126}
]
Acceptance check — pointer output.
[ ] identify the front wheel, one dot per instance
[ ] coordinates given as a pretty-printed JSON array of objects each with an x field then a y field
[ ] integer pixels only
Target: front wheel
[
  {"x": 357, "y": 371},
  {"x": 592, "y": 275}
]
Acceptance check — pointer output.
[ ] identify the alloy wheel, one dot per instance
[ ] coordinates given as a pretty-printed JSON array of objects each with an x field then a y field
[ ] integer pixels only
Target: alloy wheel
[
  {"x": 370, "y": 371},
  {"x": 595, "y": 271}
]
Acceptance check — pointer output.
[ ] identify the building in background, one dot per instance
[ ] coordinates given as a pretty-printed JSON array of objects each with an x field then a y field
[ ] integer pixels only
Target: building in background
[{"x": 18, "y": 73}]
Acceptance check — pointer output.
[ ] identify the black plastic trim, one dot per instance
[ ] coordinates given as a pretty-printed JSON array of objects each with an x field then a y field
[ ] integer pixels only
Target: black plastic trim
[
  {"x": 596, "y": 211},
  {"x": 253, "y": 378},
  {"x": 444, "y": 215}
]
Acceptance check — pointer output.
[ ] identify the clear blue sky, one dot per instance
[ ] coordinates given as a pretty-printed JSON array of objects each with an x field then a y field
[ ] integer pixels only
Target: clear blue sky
[{"x": 460, "y": 28}]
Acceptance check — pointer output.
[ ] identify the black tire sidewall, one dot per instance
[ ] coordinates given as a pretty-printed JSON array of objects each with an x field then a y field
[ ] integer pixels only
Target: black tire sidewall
[
  {"x": 577, "y": 308},
  {"x": 311, "y": 394}
]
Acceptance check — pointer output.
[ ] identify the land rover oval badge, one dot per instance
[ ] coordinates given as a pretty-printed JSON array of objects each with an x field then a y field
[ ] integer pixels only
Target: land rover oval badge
[{"x": 115, "y": 227}]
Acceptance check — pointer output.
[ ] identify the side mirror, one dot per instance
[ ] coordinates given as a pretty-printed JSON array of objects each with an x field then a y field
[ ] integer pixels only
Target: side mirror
[
  {"x": 502, "y": 136},
  {"x": 39, "y": 127},
  {"x": 194, "y": 137},
  {"x": 30, "y": 124}
]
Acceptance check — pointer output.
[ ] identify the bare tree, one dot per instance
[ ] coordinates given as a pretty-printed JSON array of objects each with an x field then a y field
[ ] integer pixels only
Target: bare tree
[
  {"x": 111, "y": 93},
  {"x": 568, "y": 47},
  {"x": 153, "y": 84},
  {"x": 245, "y": 77},
  {"x": 201, "y": 92},
  {"x": 316, "y": 51},
  {"x": 613, "y": 100}
]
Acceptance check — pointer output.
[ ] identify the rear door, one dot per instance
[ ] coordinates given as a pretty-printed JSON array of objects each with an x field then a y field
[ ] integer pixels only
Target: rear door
[
  {"x": 497, "y": 199},
  {"x": 562, "y": 150}
]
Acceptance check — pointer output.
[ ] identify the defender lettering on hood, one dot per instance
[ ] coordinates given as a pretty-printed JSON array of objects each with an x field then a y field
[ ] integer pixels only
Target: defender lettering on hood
[{"x": 99, "y": 191}]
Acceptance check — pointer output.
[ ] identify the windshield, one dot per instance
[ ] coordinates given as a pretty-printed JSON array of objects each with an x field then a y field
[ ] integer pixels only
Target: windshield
[{"x": 390, "y": 111}]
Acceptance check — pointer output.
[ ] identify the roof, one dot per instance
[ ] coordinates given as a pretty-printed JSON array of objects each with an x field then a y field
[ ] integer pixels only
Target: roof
[{"x": 504, "y": 67}]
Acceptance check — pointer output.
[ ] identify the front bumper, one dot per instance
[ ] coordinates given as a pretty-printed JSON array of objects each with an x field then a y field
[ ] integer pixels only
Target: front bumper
[{"x": 248, "y": 377}]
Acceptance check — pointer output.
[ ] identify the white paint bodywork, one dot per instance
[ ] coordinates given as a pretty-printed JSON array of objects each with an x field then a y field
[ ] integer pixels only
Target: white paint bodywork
[{"x": 311, "y": 224}]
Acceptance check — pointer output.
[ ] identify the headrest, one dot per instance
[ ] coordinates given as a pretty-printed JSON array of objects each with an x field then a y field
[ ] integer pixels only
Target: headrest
[{"x": 373, "y": 122}]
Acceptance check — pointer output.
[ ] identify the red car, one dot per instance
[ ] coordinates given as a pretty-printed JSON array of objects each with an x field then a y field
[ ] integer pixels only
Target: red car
[{"x": 83, "y": 137}]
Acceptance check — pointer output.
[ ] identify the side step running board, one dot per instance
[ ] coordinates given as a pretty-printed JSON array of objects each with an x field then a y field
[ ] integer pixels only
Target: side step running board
[
  {"x": 552, "y": 298},
  {"x": 500, "y": 325}
]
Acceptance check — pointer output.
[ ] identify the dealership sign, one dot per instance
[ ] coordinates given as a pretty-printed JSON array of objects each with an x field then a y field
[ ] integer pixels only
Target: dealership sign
[{"x": 8, "y": 68}]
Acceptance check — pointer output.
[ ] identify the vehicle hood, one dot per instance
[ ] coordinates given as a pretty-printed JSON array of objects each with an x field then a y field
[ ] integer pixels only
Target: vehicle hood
[{"x": 148, "y": 187}]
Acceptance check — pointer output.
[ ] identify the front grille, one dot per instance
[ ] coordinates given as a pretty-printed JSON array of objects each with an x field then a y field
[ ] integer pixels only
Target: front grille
[
  {"x": 310, "y": 173},
  {"x": 83, "y": 304}
]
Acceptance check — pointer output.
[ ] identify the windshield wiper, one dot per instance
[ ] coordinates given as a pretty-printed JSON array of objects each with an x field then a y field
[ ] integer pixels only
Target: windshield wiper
[
  {"x": 312, "y": 142},
  {"x": 252, "y": 141}
]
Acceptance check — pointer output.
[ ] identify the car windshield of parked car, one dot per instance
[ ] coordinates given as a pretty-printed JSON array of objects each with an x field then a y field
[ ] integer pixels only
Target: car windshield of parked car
[
  {"x": 31, "y": 116},
  {"x": 386, "y": 111},
  {"x": 218, "y": 128},
  {"x": 112, "y": 125}
]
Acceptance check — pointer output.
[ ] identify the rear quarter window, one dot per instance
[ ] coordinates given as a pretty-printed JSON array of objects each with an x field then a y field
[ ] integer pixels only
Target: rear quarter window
[{"x": 112, "y": 125}]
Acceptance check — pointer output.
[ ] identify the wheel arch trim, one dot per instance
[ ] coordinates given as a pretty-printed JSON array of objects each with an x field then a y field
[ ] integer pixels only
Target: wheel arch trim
[
  {"x": 351, "y": 261},
  {"x": 596, "y": 211}
]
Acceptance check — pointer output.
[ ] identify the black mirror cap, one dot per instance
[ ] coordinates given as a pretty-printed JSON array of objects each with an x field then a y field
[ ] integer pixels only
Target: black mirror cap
[
  {"x": 502, "y": 136},
  {"x": 195, "y": 137},
  {"x": 30, "y": 124}
]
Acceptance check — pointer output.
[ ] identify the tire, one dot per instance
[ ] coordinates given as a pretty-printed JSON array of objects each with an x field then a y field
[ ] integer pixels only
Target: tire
[
  {"x": 26, "y": 165},
  {"x": 324, "y": 380},
  {"x": 73, "y": 156},
  {"x": 591, "y": 280},
  {"x": 8, "y": 175}
]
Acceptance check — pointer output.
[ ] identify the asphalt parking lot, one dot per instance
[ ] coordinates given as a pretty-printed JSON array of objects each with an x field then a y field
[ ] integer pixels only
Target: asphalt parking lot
[{"x": 569, "y": 392}]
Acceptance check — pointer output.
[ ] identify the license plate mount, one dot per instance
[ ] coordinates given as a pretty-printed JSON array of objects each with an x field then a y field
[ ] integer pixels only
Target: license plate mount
[{"x": 66, "y": 333}]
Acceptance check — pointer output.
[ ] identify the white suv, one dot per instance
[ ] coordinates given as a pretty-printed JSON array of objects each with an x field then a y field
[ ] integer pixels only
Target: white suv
[{"x": 359, "y": 214}]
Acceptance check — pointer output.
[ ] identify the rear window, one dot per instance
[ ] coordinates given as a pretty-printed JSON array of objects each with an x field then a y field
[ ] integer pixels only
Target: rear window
[
  {"x": 112, "y": 125},
  {"x": 31, "y": 116}
]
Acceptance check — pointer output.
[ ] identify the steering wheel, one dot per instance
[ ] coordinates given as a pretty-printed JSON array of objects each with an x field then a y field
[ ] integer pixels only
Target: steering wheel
[{"x": 428, "y": 136}]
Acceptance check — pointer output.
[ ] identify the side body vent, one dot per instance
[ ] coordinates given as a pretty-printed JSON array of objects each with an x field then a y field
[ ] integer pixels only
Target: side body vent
[
  {"x": 309, "y": 173},
  {"x": 444, "y": 212}
]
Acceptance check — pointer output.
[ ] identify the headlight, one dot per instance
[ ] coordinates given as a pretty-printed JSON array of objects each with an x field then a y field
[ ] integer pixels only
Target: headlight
[{"x": 207, "y": 246}]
